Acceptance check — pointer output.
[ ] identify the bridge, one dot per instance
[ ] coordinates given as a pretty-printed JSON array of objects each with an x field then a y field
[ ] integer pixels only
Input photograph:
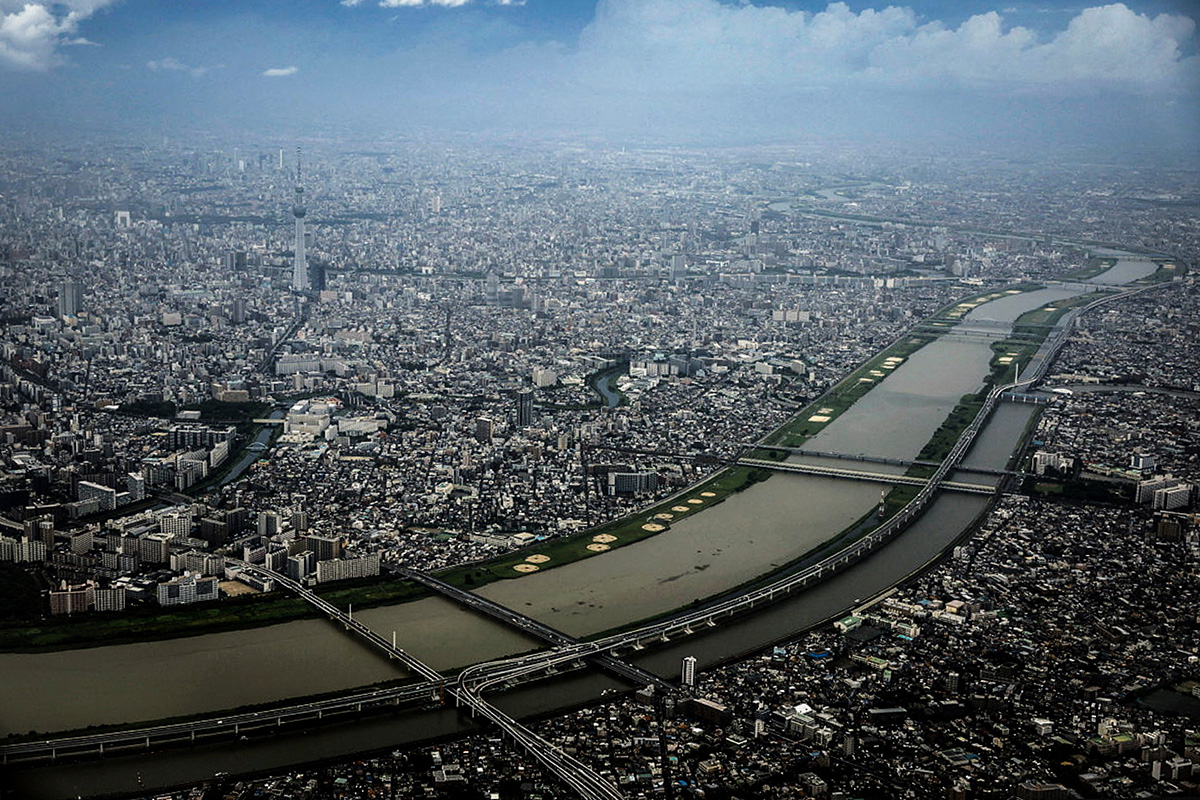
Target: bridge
[
  {"x": 572, "y": 772},
  {"x": 861, "y": 475},
  {"x": 473, "y": 680},
  {"x": 228, "y": 726},
  {"x": 869, "y": 459},
  {"x": 1026, "y": 397},
  {"x": 533, "y": 627},
  {"x": 513, "y": 670}
]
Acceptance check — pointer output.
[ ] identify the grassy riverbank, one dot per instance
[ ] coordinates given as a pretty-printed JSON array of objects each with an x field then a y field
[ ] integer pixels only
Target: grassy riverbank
[
  {"x": 98, "y": 629},
  {"x": 266, "y": 610}
]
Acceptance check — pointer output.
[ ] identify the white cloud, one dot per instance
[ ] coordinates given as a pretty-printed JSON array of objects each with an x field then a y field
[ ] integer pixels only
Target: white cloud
[
  {"x": 32, "y": 32},
  {"x": 170, "y": 64},
  {"x": 420, "y": 3},
  {"x": 280, "y": 72},
  {"x": 701, "y": 45}
]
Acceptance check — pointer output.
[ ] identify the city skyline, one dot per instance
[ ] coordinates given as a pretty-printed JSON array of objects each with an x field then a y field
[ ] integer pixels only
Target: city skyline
[{"x": 749, "y": 399}]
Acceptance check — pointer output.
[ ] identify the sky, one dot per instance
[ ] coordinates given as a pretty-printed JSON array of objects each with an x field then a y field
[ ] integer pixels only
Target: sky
[{"x": 1035, "y": 74}]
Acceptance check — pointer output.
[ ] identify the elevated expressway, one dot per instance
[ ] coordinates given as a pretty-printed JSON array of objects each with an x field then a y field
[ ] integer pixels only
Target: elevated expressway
[
  {"x": 570, "y": 770},
  {"x": 556, "y": 638}
]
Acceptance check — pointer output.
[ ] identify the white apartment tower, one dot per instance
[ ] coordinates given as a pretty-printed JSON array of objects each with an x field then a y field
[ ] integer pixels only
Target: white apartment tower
[{"x": 687, "y": 672}]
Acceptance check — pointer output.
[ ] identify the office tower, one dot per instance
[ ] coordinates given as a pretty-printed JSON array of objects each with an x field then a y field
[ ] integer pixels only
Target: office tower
[
  {"x": 70, "y": 298},
  {"x": 300, "y": 265},
  {"x": 687, "y": 674},
  {"x": 524, "y": 408},
  {"x": 484, "y": 430},
  {"x": 235, "y": 260},
  {"x": 237, "y": 311}
]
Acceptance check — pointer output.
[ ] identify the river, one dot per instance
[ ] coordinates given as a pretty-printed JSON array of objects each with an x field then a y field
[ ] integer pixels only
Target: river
[
  {"x": 255, "y": 450},
  {"x": 937, "y": 529},
  {"x": 1126, "y": 270},
  {"x": 775, "y": 522},
  {"x": 772, "y": 523}
]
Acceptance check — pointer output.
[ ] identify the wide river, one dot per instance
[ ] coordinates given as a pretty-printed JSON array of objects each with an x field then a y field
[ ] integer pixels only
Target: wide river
[{"x": 745, "y": 536}]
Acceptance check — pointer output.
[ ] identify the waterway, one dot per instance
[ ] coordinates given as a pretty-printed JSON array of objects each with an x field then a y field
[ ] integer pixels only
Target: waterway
[
  {"x": 1126, "y": 270},
  {"x": 701, "y": 555},
  {"x": 255, "y": 450},
  {"x": 198, "y": 674},
  {"x": 922, "y": 543},
  {"x": 746, "y": 535},
  {"x": 609, "y": 394}
]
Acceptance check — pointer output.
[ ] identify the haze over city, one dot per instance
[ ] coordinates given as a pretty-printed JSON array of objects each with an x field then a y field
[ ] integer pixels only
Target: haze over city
[{"x": 602, "y": 399}]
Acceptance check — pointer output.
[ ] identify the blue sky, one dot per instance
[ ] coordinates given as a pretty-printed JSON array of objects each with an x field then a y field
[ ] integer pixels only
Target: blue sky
[{"x": 659, "y": 67}]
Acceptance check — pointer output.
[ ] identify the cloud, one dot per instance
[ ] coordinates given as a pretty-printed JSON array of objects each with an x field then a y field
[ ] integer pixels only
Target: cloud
[
  {"x": 170, "y": 64},
  {"x": 420, "y": 3},
  {"x": 699, "y": 45},
  {"x": 428, "y": 3},
  {"x": 32, "y": 32},
  {"x": 280, "y": 72}
]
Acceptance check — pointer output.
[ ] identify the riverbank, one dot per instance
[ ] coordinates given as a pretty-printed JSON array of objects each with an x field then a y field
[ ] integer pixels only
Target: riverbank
[
  {"x": 634, "y": 528},
  {"x": 697, "y": 556}
]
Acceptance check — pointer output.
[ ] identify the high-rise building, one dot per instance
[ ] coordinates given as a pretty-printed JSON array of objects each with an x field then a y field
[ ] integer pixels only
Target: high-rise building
[
  {"x": 300, "y": 281},
  {"x": 544, "y": 378},
  {"x": 107, "y": 497},
  {"x": 301, "y": 565},
  {"x": 110, "y": 599},
  {"x": 235, "y": 260},
  {"x": 324, "y": 548},
  {"x": 687, "y": 673},
  {"x": 524, "y": 408},
  {"x": 632, "y": 484},
  {"x": 269, "y": 523},
  {"x": 71, "y": 598},
  {"x": 70, "y": 298},
  {"x": 189, "y": 588},
  {"x": 237, "y": 311},
  {"x": 484, "y": 430}
]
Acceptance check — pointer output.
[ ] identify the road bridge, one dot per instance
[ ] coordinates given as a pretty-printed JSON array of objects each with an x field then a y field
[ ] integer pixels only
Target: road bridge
[
  {"x": 474, "y": 679},
  {"x": 200, "y": 731},
  {"x": 869, "y": 459},
  {"x": 826, "y": 471},
  {"x": 572, "y": 772},
  {"x": 533, "y": 627}
]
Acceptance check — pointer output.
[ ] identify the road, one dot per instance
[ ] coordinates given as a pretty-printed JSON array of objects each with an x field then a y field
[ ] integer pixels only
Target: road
[
  {"x": 572, "y": 772},
  {"x": 860, "y": 475},
  {"x": 552, "y": 636},
  {"x": 470, "y": 684}
]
